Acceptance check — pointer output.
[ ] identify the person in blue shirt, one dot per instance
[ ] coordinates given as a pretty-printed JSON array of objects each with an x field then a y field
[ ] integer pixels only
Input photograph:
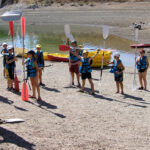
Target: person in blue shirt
[
  {"x": 40, "y": 62},
  {"x": 85, "y": 70},
  {"x": 118, "y": 69},
  {"x": 4, "y": 52},
  {"x": 10, "y": 68},
  {"x": 142, "y": 66},
  {"x": 32, "y": 73}
]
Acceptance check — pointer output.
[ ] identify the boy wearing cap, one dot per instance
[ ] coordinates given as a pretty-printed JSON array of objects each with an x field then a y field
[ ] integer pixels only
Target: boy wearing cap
[
  {"x": 142, "y": 66},
  {"x": 118, "y": 69},
  {"x": 10, "y": 67},
  {"x": 4, "y": 52},
  {"x": 40, "y": 62}
]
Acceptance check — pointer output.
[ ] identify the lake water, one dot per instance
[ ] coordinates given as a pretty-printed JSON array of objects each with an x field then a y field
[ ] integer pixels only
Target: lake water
[{"x": 50, "y": 36}]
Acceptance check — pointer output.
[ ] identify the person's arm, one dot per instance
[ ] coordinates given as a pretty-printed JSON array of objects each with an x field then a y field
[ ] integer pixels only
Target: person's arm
[
  {"x": 94, "y": 55},
  {"x": 43, "y": 60},
  {"x": 147, "y": 63},
  {"x": 67, "y": 42},
  {"x": 10, "y": 61},
  {"x": 36, "y": 66},
  {"x": 137, "y": 60}
]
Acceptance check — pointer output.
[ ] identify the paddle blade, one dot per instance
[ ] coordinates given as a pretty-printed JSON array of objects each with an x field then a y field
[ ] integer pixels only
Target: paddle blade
[
  {"x": 136, "y": 34},
  {"x": 71, "y": 38},
  {"x": 16, "y": 83},
  {"x": 99, "y": 86},
  {"x": 134, "y": 85},
  {"x": 23, "y": 21},
  {"x": 24, "y": 93},
  {"x": 105, "y": 32},
  {"x": 64, "y": 48},
  {"x": 67, "y": 30},
  {"x": 11, "y": 28},
  {"x": 14, "y": 120}
]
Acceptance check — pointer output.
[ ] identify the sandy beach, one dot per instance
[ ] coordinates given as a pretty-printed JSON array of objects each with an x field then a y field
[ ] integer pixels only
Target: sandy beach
[{"x": 67, "y": 119}]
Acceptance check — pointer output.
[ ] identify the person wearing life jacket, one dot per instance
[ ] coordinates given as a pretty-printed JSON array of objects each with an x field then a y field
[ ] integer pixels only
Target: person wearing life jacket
[
  {"x": 142, "y": 66},
  {"x": 4, "y": 52},
  {"x": 10, "y": 68},
  {"x": 32, "y": 73},
  {"x": 74, "y": 61},
  {"x": 40, "y": 62},
  {"x": 85, "y": 70},
  {"x": 117, "y": 69}
]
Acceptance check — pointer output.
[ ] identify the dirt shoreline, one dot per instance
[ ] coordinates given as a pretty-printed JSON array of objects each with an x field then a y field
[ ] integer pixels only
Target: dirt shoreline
[{"x": 67, "y": 119}]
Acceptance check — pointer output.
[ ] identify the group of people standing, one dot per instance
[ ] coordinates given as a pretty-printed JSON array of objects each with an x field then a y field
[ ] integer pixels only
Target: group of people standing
[
  {"x": 79, "y": 63},
  {"x": 78, "y": 55},
  {"x": 34, "y": 66}
]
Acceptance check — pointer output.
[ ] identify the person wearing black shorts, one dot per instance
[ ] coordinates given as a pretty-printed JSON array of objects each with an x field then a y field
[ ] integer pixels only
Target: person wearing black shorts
[
  {"x": 86, "y": 70},
  {"x": 142, "y": 66},
  {"x": 10, "y": 67}
]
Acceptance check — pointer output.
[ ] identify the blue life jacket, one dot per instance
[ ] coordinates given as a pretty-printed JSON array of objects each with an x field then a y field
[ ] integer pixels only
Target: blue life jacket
[
  {"x": 115, "y": 67},
  {"x": 142, "y": 64},
  {"x": 73, "y": 57},
  {"x": 10, "y": 65},
  {"x": 85, "y": 67},
  {"x": 40, "y": 60},
  {"x": 4, "y": 58},
  {"x": 31, "y": 70}
]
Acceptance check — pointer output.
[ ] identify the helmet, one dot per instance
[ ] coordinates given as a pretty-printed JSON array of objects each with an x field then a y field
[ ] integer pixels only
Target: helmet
[
  {"x": 85, "y": 51},
  {"x": 38, "y": 46},
  {"x": 117, "y": 54}
]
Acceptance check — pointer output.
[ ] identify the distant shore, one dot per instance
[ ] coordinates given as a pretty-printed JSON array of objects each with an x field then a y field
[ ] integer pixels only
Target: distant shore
[{"x": 119, "y": 16}]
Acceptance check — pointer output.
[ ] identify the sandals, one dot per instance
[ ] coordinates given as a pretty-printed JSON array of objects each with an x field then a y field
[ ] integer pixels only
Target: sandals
[
  {"x": 140, "y": 88},
  {"x": 32, "y": 97},
  {"x": 39, "y": 99}
]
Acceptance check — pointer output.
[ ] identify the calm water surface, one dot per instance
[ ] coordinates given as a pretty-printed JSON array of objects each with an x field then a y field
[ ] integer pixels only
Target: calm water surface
[{"x": 50, "y": 36}]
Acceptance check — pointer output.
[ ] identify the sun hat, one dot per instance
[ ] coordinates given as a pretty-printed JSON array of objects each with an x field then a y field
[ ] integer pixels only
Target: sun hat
[
  {"x": 38, "y": 46},
  {"x": 4, "y": 43},
  {"x": 117, "y": 54}
]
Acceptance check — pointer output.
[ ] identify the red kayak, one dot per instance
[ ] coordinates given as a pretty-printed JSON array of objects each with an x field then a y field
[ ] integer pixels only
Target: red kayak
[
  {"x": 140, "y": 46},
  {"x": 58, "y": 57}
]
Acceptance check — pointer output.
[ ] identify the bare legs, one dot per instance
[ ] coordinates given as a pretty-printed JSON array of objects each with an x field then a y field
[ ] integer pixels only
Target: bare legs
[
  {"x": 35, "y": 86},
  {"x": 78, "y": 77},
  {"x": 119, "y": 86},
  {"x": 142, "y": 79},
  {"x": 91, "y": 83}
]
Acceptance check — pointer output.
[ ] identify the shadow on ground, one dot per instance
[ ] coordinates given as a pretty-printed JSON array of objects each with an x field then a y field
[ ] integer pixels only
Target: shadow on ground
[{"x": 11, "y": 137}]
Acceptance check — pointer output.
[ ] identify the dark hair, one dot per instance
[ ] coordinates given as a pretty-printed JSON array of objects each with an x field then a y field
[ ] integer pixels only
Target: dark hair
[
  {"x": 142, "y": 51},
  {"x": 32, "y": 53},
  {"x": 75, "y": 42}
]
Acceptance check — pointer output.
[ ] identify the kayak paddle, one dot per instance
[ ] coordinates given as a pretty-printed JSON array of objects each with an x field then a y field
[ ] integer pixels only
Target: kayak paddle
[
  {"x": 105, "y": 35},
  {"x": 67, "y": 30},
  {"x": 11, "y": 28},
  {"x": 14, "y": 120},
  {"x": 24, "y": 93},
  {"x": 134, "y": 78}
]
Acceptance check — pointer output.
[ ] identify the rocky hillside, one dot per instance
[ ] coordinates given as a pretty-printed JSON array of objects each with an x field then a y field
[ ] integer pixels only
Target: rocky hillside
[{"x": 63, "y": 2}]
